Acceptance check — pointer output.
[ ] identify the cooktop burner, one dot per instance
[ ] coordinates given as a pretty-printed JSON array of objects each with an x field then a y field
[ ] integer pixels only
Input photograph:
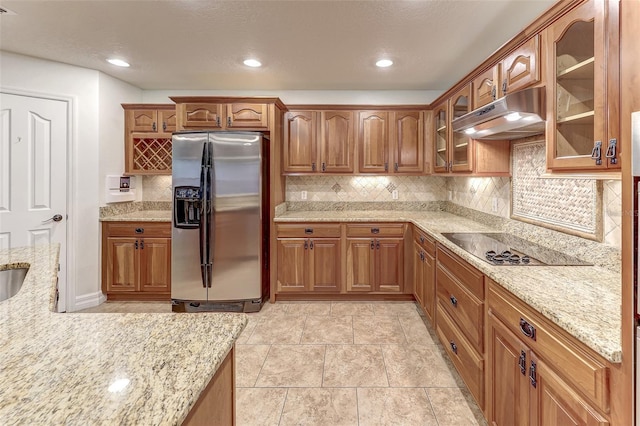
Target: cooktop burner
[{"x": 507, "y": 249}]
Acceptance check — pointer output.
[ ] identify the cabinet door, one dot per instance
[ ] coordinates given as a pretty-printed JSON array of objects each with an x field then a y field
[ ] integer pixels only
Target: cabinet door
[
  {"x": 508, "y": 384},
  {"x": 485, "y": 87},
  {"x": 122, "y": 264},
  {"x": 155, "y": 264},
  {"x": 324, "y": 264},
  {"x": 461, "y": 152},
  {"x": 441, "y": 138},
  {"x": 360, "y": 264},
  {"x": 167, "y": 120},
  {"x": 336, "y": 141},
  {"x": 576, "y": 88},
  {"x": 555, "y": 403},
  {"x": 198, "y": 116},
  {"x": 248, "y": 116},
  {"x": 407, "y": 141},
  {"x": 300, "y": 142},
  {"x": 522, "y": 67},
  {"x": 418, "y": 273},
  {"x": 390, "y": 264},
  {"x": 293, "y": 264},
  {"x": 373, "y": 142},
  {"x": 429, "y": 286},
  {"x": 142, "y": 120}
]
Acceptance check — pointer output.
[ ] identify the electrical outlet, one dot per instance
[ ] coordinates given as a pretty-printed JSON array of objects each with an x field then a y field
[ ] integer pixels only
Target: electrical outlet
[
  {"x": 303, "y": 195},
  {"x": 494, "y": 205},
  {"x": 394, "y": 194},
  {"x": 450, "y": 195}
]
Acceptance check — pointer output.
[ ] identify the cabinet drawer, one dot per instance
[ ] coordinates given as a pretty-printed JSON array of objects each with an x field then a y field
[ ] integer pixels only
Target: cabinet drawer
[
  {"x": 376, "y": 230},
  {"x": 467, "y": 361},
  {"x": 308, "y": 230},
  {"x": 137, "y": 229},
  {"x": 462, "y": 306},
  {"x": 472, "y": 279},
  {"x": 425, "y": 241},
  {"x": 569, "y": 357}
]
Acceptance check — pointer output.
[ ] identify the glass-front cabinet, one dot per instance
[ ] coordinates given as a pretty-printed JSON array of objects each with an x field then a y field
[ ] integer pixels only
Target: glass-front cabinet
[
  {"x": 461, "y": 159},
  {"x": 441, "y": 137},
  {"x": 577, "y": 129},
  {"x": 452, "y": 151}
]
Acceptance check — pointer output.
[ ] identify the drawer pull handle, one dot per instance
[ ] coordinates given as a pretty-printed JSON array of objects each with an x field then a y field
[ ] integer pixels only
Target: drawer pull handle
[
  {"x": 523, "y": 363},
  {"x": 139, "y": 230},
  {"x": 527, "y": 329},
  {"x": 375, "y": 230},
  {"x": 454, "y": 347},
  {"x": 532, "y": 374},
  {"x": 454, "y": 301},
  {"x": 421, "y": 239},
  {"x": 308, "y": 231}
]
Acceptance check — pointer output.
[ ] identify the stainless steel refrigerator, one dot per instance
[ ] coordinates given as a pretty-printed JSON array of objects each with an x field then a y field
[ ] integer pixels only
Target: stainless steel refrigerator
[{"x": 219, "y": 234}]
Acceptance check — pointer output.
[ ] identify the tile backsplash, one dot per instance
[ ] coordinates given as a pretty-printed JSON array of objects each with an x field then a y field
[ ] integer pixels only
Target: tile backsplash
[{"x": 156, "y": 188}]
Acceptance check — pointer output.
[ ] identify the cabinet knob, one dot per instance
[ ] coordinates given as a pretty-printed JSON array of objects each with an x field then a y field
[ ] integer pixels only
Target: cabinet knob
[
  {"x": 454, "y": 347},
  {"x": 136, "y": 245},
  {"x": 153, "y": 126},
  {"x": 218, "y": 121},
  {"x": 141, "y": 244},
  {"x": 504, "y": 86},
  {"x": 527, "y": 329},
  {"x": 306, "y": 244},
  {"x": 324, "y": 166},
  {"x": 421, "y": 239},
  {"x": 311, "y": 244},
  {"x": 395, "y": 167},
  {"x": 454, "y": 301},
  {"x": 386, "y": 167},
  {"x": 611, "y": 151},
  {"x": 228, "y": 121},
  {"x": 164, "y": 126},
  {"x": 313, "y": 167},
  {"x": 372, "y": 244}
]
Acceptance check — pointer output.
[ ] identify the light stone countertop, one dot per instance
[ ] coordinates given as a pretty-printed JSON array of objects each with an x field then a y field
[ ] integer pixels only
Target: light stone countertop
[
  {"x": 140, "y": 216},
  {"x": 56, "y": 368},
  {"x": 583, "y": 300}
]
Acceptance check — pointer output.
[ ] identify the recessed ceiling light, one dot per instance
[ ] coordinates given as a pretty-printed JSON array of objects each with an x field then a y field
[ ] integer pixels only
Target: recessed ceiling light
[
  {"x": 383, "y": 63},
  {"x": 118, "y": 62},
  {"x": 254, "y": 63}
]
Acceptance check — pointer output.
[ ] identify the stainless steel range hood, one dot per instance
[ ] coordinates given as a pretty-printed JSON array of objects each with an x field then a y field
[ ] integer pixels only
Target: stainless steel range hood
[{"x": 514, "y": 116}]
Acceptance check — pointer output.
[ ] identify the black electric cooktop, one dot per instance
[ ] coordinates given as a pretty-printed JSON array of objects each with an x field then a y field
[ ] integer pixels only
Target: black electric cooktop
[{"x": 509, "y": 250}]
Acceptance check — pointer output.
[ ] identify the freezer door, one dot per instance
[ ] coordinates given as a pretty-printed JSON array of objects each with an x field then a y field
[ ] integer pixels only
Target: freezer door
[
  {"x": 186, "y": 271},
  {"x": 236, "y": 235}
]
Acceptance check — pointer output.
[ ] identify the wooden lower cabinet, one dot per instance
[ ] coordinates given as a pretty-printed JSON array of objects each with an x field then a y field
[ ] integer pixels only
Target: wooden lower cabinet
[
  {"x": 424, "y": 273},
  {"x": 544, "y": 380},
  {"x": 375, "y": 264},
  {"x": 309, "y": 258},
  {"x": 136, "y": 260},
  {"x": 216, "y": 405}
]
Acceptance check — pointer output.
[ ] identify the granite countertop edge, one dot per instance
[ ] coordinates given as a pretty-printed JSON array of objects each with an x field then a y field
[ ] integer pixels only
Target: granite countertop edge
[
  {"x": 140, "y": 216},
  {"x": 598, "y": 327},
  {"x": 57, "y": 367}
]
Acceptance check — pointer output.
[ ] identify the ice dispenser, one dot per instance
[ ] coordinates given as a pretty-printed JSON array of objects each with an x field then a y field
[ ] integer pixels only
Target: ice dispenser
[{"x": 186, "y": 205}]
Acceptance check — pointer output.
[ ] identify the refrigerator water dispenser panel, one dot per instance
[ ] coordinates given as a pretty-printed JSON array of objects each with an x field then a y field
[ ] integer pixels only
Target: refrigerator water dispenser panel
[{"x": 186, "y": 207}]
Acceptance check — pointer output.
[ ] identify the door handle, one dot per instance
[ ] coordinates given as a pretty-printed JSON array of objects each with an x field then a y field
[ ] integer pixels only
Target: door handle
[{"x": 54, "y": 218}]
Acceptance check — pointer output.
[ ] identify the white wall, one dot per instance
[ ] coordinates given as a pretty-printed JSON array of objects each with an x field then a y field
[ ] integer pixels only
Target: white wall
[
  {"x": 112, "y": 93},
  {"x": 293, "y": 97},
  {"x": 86, "y": 87}
]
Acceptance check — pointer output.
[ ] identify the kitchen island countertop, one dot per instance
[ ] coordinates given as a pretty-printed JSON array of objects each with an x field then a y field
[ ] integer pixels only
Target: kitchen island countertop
[
  {"x": 85, "y": 369},
  {"x": 585, "y": 301}
]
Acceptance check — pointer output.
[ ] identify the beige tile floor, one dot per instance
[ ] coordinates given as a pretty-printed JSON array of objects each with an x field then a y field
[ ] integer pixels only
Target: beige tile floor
[{"x": 341, "y": 363}]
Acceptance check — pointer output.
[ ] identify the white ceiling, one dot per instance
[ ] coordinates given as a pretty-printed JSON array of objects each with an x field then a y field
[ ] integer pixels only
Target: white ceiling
[{"x": 303, "y": 45}]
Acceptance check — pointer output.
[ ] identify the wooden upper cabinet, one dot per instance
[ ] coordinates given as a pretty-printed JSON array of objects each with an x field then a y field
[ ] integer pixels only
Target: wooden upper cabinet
[
  {"x": 518, "y": 70},
  {"x": 441, "y": 138},
  {"x": 336, "y": 141},
  {"x": 373, "y": 142},
  {"x": 578, "y": 95},
  {"x": 247, "y": 116},
  {"x": 204, "y": 115},
  {"x": 167, "y": 120},
  {"x": 521, "y": 68},
  {"x": 485, "y": 87},
  {"x": 407, "y": 141},
  {"x": 300, "y": 142},
  {"x": 147, "y": 136},
  {"x": 461, "y": 145}
]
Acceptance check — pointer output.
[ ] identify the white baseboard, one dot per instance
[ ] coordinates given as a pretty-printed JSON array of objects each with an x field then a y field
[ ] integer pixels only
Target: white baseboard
[{"x": 88, "y": 301}]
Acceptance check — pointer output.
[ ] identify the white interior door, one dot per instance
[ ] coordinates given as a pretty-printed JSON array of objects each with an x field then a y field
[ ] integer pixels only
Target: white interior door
[{"x": 33, "y": 175}]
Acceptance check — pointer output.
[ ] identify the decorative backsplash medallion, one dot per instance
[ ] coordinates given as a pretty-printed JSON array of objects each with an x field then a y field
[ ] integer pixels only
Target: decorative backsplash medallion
[{"x": 570, "y": 205}]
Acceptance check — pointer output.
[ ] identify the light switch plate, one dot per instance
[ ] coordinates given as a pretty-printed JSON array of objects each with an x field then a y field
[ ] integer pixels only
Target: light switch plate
[{"x": 303, "y": 195}]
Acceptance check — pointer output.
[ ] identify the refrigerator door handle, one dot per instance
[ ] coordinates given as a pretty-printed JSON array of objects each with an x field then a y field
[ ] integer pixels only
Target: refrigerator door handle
[
  {"x": 203, "y": 215},
  {"x": 210, "y": 241}
]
